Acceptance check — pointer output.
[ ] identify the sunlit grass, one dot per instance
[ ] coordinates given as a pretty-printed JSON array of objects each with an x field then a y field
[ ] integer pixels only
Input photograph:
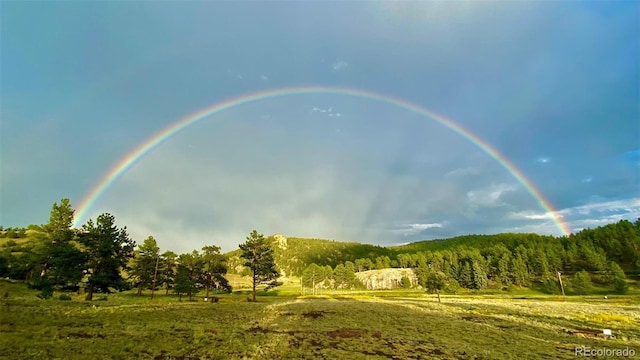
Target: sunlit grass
[{"x": 335, "y": 325}]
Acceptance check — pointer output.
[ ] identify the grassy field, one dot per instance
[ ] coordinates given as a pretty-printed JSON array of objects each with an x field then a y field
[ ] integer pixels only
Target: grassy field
[{"x": 365, "y": 325}]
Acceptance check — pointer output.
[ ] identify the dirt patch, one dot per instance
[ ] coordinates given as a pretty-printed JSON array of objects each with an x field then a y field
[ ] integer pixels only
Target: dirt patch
[
  {"x": 257, "y": 329},
  {"x": 345, "y": 333},
  {"x": 84, "y": 335},
  {"x": 315, "y": 314},
  {"x": 211, "y": 332}
]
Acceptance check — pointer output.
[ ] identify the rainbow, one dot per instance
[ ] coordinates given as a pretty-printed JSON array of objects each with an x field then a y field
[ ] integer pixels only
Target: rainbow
[{"x": 156, "y": 140}]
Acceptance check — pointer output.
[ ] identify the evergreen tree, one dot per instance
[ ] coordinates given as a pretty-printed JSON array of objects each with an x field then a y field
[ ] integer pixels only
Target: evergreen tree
[
  {"x": 188, "y": 272},
  {"x": 479, "y": 276},
  {"x": 364, "y": 264},
  {"x": 435, "y": 282},
  {"x": 61, "y": 260},
  {"x": 259, "y": 259},
  {"x": 214, "y": 268},
  {"x": 405, "y": 282},
  {"x": 339, "y": 276},
  {"x": 349, "y": 266},
  {"x": 144, "y": 264},
  {"x": 520, "y": 271},
  {"x": 422, "y": 273},
  {"x": 503, "y": 272},
  {"x": 108, "y": 249},
  {"x": 466, "y": 276},
  {"x": 618, "y": 278},
  {"x": 581, "y": 282},
  {"x": 312, "y": 276},
  {"x": 328, "y": 276},
  {"x": 167, "y": 270}
]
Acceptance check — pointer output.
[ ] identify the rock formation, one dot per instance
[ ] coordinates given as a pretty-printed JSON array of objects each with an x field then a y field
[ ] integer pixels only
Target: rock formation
[{"x": 386, "y": 278}]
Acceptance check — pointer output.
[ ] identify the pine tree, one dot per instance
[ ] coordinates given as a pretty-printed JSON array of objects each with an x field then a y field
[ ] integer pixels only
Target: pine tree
[
  {"x": 466, "y": 276},
  {"x": 312, "y": 276},
  {"x": 214, "y": 267},
  {"x": 143, "y": 266},
  {"x": 62, "y": 262},
  {"x": 520, "y": 271},
  {"x": 339, "y": 276},
  {"x": 618, "y": 278},
  {"x": 258, "y": 256},
  {"x": 435, "y": 282},
  {"x": 503, "y": 272},
  {"x": 167, "y": 270},
  {"x": 581, "y": 282},
  {"x": 108, "y": 249},
  {"x": 479, "y": 276}
]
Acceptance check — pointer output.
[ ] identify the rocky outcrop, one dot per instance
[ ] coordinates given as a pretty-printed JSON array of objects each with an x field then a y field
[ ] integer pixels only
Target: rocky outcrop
[
  {"x": 386, "y": 278},
  {"x": 281, "y": 241}
]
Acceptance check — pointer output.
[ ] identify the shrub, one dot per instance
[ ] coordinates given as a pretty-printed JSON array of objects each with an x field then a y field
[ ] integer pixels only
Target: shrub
[
  {"x": 44, "y": 285},
  {"x": 620, "y": 286},
  {"x": 46, "y": 293},
  {"x": 405, "y": 282},
  {"x": 64, "y": 297},
  {"x": 550, "y": 287},
  {"x": 452, "y": 286},
  {"x": 581, "y": 283}
]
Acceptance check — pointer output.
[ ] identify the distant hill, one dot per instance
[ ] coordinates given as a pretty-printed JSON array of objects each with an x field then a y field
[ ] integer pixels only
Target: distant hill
[
  {"x": 510, "y": 240},
  {"x": 293, "y": 255},
  {"x": 589, "y": 249}
]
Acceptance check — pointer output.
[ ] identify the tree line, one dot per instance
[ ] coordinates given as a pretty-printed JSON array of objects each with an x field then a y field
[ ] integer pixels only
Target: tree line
[
  {"x": 102, "y": 257},
  {"x": 593, "y": 257}
]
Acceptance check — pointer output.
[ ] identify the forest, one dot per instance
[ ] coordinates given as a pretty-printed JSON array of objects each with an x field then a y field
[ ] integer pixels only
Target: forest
[{"x": 101, "y": 257}]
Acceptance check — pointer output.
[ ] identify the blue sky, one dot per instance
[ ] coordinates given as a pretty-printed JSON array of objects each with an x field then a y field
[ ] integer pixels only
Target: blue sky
[{"x": 554, "y": 86}]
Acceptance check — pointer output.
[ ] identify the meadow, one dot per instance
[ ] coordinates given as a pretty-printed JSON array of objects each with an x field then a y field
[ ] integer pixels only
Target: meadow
[{"x": 336, "y": 325}]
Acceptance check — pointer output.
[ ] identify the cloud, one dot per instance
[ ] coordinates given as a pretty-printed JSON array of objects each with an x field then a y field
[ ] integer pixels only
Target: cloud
[
  {"x": 532, "y": 215},
  {"x": 329, "y": 111},
  {"x": 462, "y": 172},
  {"x": 264, "y": 77},
  {"x": 339, "y": 65},
  {"x": 490, "y": 197},
  {"x": 592, "y": 214},
  {"x": 412, "y": 229},
  {"x": 543, "y": 160},
  {"x": 587, "y": 179},
  {"x": 620, "y": 206}
]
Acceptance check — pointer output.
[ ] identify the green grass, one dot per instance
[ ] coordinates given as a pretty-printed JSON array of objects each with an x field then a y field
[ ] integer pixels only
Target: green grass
[{"x": 338, "y": 325}]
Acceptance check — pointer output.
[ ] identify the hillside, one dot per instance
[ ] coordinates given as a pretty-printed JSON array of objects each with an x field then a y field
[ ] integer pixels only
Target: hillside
[
  {"x": 510, "y": 240},
  {"x": 293, "y": 254},
  {"x": 503, "y": 258}
]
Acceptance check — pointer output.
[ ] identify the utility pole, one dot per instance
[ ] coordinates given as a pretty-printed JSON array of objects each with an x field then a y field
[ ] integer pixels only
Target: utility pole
[
  {"x": 560, "y": 280},
  {"x": 155, "y": 275}
]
